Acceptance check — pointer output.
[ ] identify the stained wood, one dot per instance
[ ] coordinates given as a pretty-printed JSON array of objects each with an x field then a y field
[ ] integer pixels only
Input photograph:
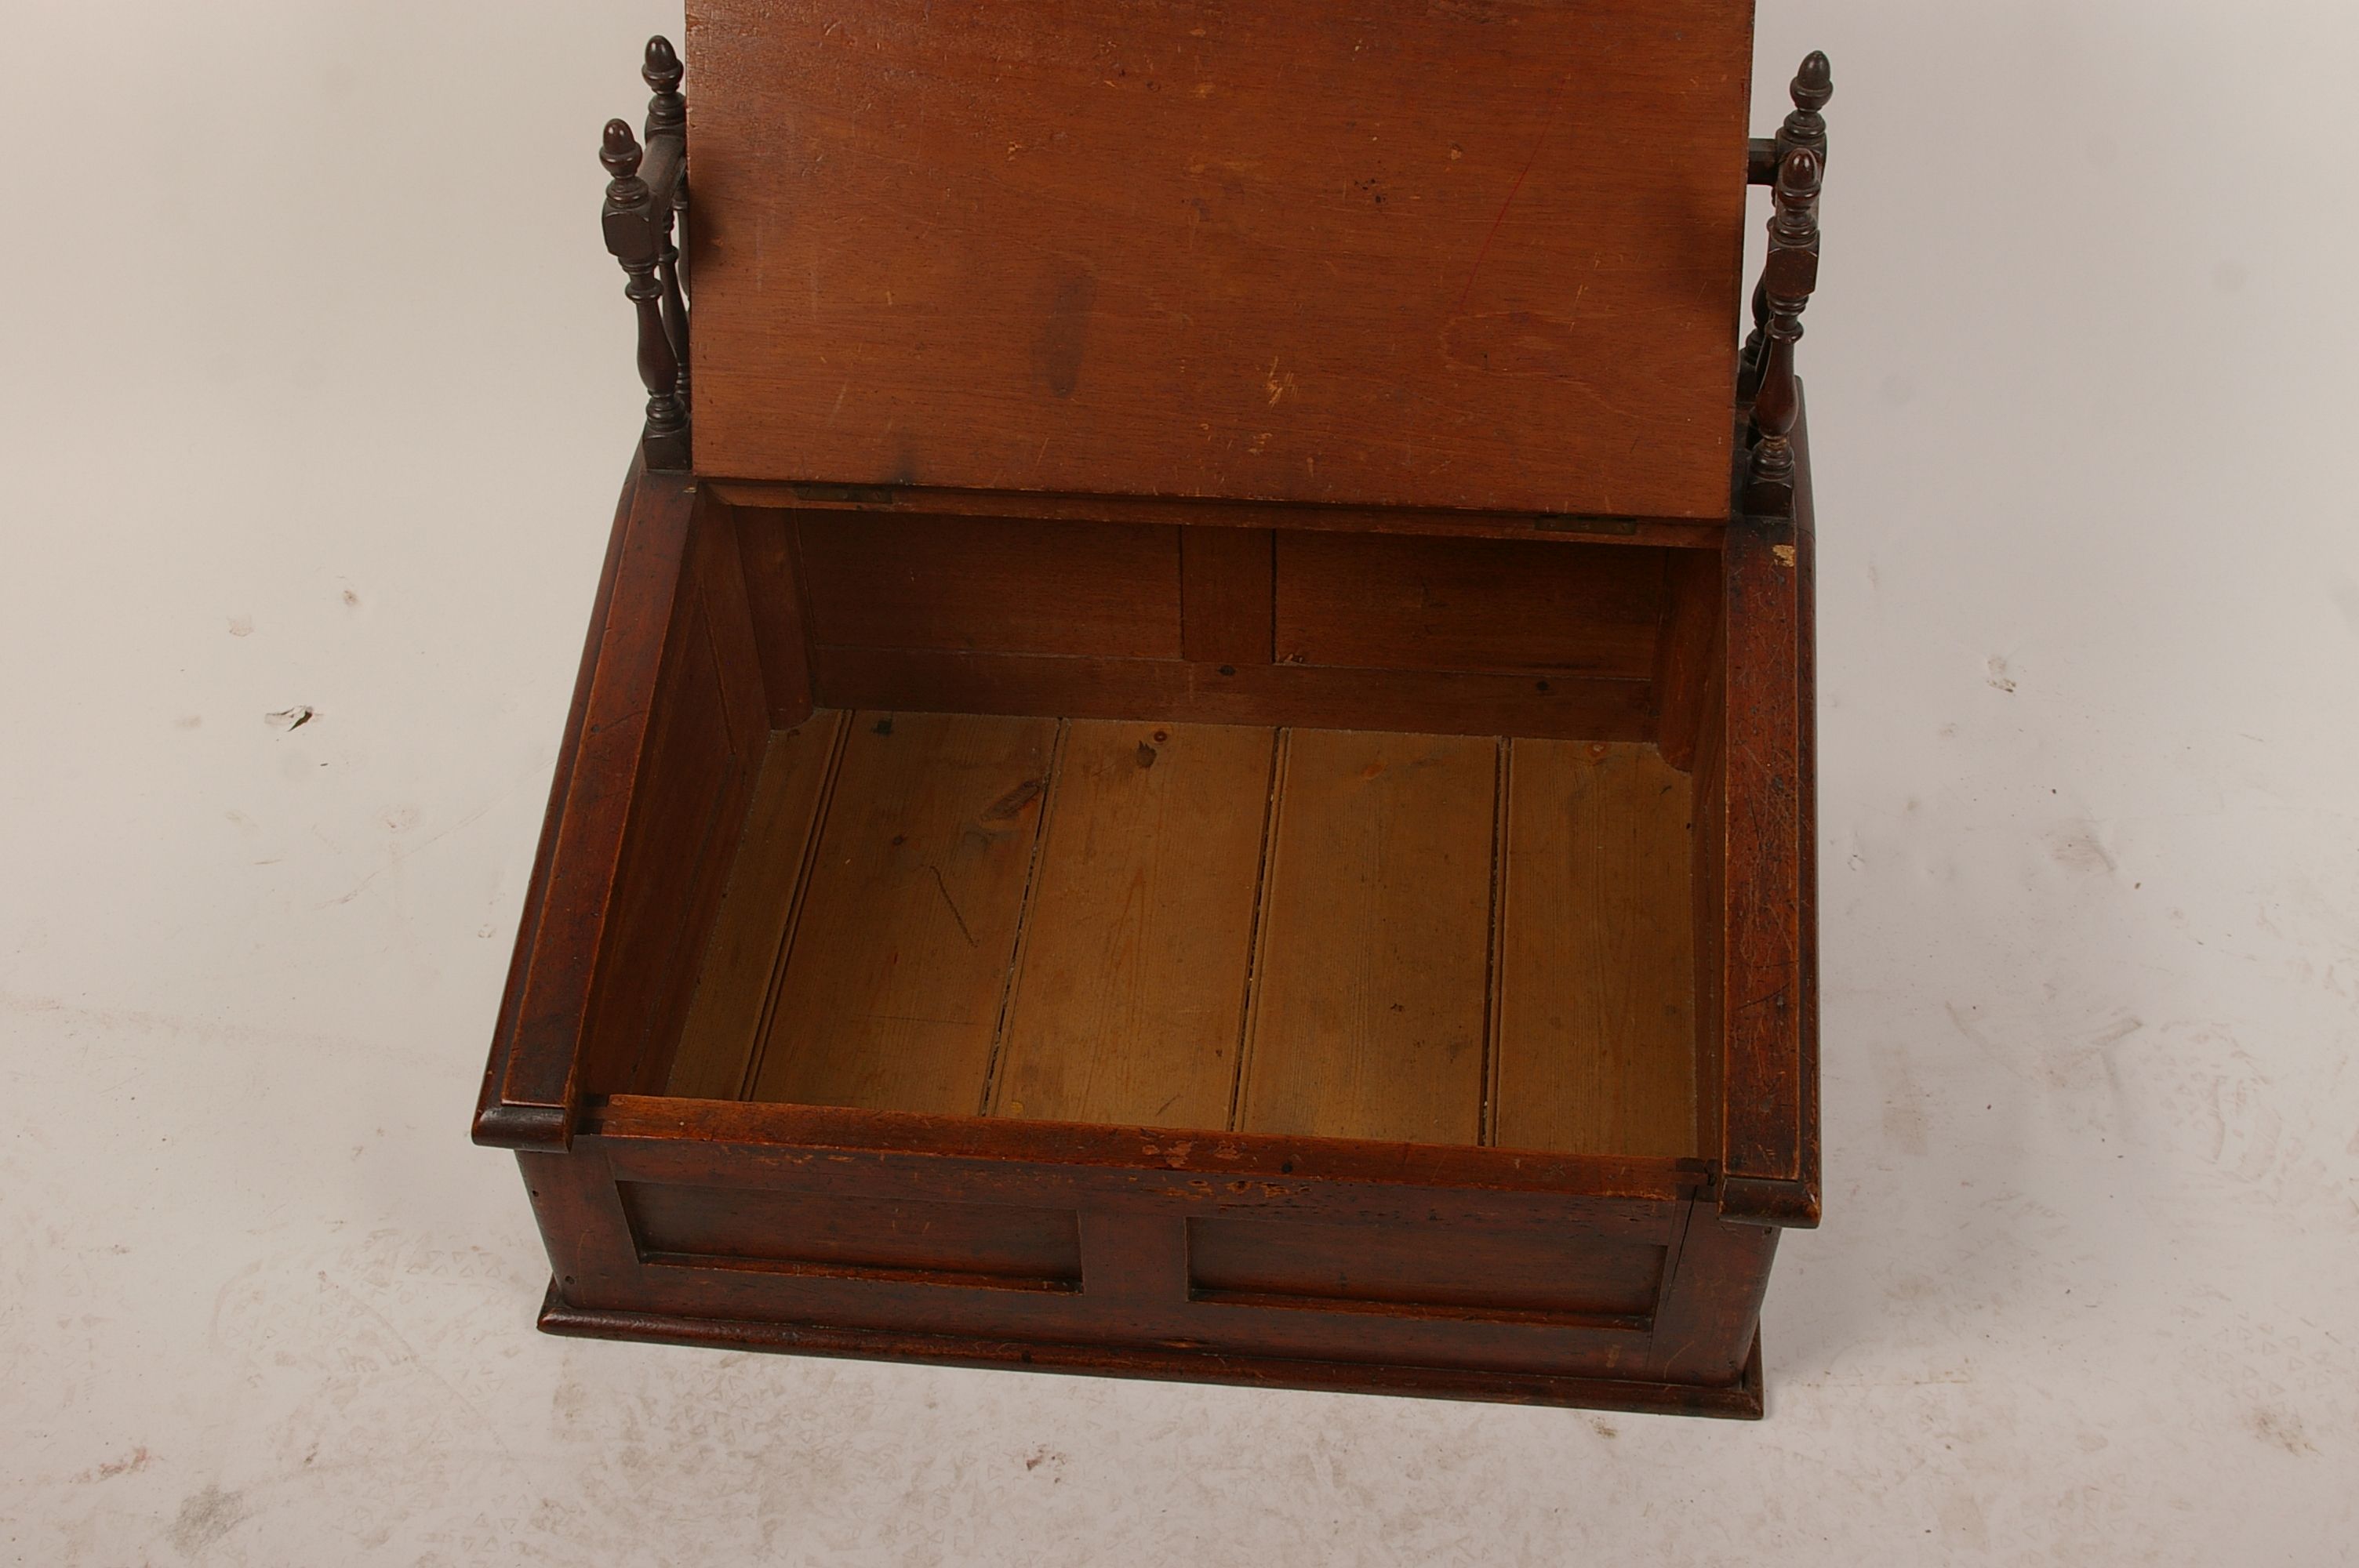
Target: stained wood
[
  {"x": 1442, "y": 1268},
  {"x": 751, "y": 931},
  {"x": 992, "y": 1245},
  {"x": 1373, "y": 968},
  {"x": 890, "y": 500},
  {"x": 1226, "y": 594},
  {"x": 1688, "y": 645},
  {"x": 1596, "y": 1039},
  {"x": 1762, "y": 992},
  {"x": 709, "y": 725},
  {"x": 1130, "y": 1002},
  {"x": 766, "y": 547},
  {"x": 1476, "y": 256},
  {"x": 892, "y": 992},
  {"x": 1401, "y": 603},
  {"x": 1002, "y": 584},
  {"x": 1418, "y": 701}
]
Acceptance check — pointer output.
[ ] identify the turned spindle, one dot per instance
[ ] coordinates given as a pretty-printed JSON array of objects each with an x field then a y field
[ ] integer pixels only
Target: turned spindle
[
  {"x": 636, "y": 243},
  {"x": 1814, "y": 87},
  {"x": 667, "y": 116},
  {"x": 1787, "y": 280}
]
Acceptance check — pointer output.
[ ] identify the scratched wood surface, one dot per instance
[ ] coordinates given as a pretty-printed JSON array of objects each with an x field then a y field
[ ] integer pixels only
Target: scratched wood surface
[
  {"x": 1476, "y": 255},
  {"x": 1596, "y": 1047},
  {"x": 1440, "y": 939},
  {"x": 1132, "y": 990},
  {"x": 1370, "y": 985},
  {"x": 891, "y": 993},
  {"x": 752, "y": 928}
]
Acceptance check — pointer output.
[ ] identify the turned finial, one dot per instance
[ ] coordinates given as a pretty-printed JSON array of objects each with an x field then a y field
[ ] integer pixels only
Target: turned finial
[
  {"x": 1814, "y": 84},
  {"x": 621, "y": 154},
  {"x": 667, "y": 109},
  {"x": 1795, "y": 223},
  {"x": 1814, "y": 89}
]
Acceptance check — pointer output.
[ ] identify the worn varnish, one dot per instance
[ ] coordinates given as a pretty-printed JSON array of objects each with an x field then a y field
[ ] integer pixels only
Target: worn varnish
[
  {"x": 1462, "y": 255},
  {"x": 1195, "y": 753},
  {"x": 1342, "y": 934}
]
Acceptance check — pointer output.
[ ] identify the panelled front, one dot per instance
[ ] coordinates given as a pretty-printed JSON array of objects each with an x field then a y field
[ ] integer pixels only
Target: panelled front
[
  {"x": 1560, "y": 1284},
  {"x": 1546, "y": 638}
]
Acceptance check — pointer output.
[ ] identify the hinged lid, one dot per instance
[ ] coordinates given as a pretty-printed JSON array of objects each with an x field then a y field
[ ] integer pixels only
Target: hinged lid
[{"x": 1467, "y": 253}]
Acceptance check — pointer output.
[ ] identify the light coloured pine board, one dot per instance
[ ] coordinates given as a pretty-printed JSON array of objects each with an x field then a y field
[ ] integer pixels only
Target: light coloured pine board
[
  {"x": 756, "y": 910},
  {"x": 892, "y": 991},
  {"x": 1372, "y": 972},
  {"x": 1596, "y": 1031},
  {"x": 1132, "y": 990}
]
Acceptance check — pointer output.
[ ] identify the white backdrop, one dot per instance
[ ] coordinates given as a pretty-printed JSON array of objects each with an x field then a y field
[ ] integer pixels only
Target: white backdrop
[{"x": 318, "y": 392}]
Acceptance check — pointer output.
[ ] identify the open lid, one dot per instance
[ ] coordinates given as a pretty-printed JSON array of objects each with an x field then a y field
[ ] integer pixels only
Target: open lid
[{"x": 1465, "y": 253}]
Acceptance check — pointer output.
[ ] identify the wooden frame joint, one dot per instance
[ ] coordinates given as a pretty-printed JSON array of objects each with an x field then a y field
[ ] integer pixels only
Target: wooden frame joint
[{"x": 528, "y": 1129}]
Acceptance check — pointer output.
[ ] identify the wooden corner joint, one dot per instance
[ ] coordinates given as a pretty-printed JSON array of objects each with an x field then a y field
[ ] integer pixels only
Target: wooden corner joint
[
  {"x": 530, "y": 1129},
  {"x": 1782, "y": 1202},
  {"x": 1794, "y": 163},
  {"x": 647, "y": 202}
]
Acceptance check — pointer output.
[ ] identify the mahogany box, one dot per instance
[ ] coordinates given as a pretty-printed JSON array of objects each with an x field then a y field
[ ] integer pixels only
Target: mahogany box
[{"x": 1194, "y": 758}]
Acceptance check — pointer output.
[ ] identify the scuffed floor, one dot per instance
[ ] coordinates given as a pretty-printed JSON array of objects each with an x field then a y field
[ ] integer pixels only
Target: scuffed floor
[{"x": 323, "y": 391}]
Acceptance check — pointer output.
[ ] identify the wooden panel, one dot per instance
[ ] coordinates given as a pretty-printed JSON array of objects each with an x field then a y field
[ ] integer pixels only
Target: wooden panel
[
  {"x": 1420, "y": 701},
  {"x": 1689, "y": 644},
  {"x": 857, "y": 1237},
  {"x": 892, "y": 992},
  {"x": 708, "y": 725},
  {"x": 1132, "y": 993},
  {"x": 991, "y": 583},
  {"x": 1710, "y": 919},
  {"x": 1225, "y": 594},
  {"x": 1471, "y": 254},
  {"x": 1761, "y": 986},
  {"x": 765, "y": 546},
  {"x": 1372, "y": 970},
  {"x": 1445, "y": 1269},
  {"x": 532, "y": 1082},
  {"x": 751, "y": 932},
  {"x": 1402, "y": 602},
  {"x": 1596, "y": 1048}
]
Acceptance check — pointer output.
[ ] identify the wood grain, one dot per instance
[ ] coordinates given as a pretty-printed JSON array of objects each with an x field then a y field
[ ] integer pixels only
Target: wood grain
[
  {"x": 751, "y": 931},
  {"x": 1226, "y": 594},
  {"x": 991, "y": 583},
  {"x": 1133, "y": 986},
  {"x": 1373, "y": 968},
  {"x": 1767, "y": 1134},
  {"x": 1596, "y": 1041},
  {"x": 1402, "y": 602},
  {"x": 1469, "y": 255},
  {"x": 1585, "y": 708},
  {"x": 891, "y": 995},
  {"x": 1689, "y": 644},
  {"x": 774, "y": 594}
]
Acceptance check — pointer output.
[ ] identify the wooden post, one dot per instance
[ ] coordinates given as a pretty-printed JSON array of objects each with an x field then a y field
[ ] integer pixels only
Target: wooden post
[
  {"x": 1814, "y": 87},
  {"x": 637, "y": 244},
  {"x": 1787, "y": 280},
  {"x": 667, "y": 116}
]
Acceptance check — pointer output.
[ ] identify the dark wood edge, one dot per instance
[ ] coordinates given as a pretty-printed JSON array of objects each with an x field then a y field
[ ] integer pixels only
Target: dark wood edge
[
  {"x": 1741, "y": 1401},
  {"x": 531, "y": 1085},
  {"x": 747, "y": 1124},
  {"x": 1753, "y": 1200},
  {"x": 1769, "y": 1154},
  {"x": 497, "y": 1124},
  {"x": 1212, "y": 511}
]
